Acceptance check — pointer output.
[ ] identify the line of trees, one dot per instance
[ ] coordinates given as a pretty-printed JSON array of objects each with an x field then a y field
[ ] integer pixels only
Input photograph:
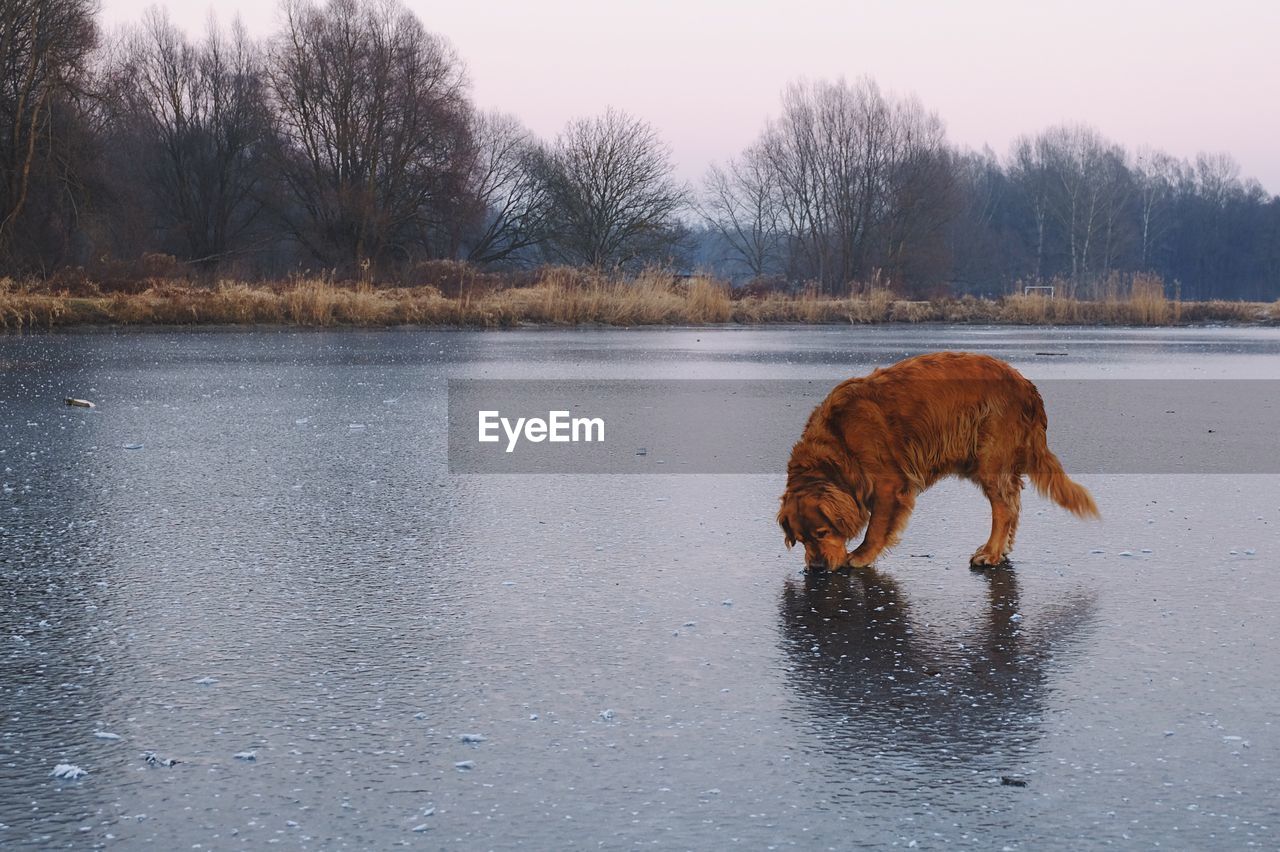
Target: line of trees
[
  {"x": 348, "y": 141},
  {"x": 850, "y": 188}
]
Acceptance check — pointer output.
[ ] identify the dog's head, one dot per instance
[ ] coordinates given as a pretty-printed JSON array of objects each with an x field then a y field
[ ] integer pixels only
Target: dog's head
[{"x": 823, "y": 518}]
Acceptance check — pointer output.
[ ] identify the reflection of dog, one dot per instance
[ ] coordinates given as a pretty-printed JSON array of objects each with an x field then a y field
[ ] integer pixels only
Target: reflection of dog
[
  {"x": 876, "y": 677},
  {"x": 876, "y": 442}
]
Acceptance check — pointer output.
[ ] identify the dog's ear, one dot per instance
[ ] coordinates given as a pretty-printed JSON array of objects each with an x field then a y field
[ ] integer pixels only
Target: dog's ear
[
  {"x": 786, "y": 529},
  {"x": 843, "y": 510}
]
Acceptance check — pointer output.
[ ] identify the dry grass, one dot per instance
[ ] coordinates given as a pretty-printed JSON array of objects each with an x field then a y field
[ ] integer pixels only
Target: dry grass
[
  {"x": 562, "y": 296},
  {"x": 1148, "y": 303}
]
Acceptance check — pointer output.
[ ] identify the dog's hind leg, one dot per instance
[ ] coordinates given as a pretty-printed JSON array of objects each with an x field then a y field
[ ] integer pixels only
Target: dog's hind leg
[
  {"x": 1015, "y": 509},
  {"x": 889, "y": 513},
  {"x": 1004, "y": 492}
]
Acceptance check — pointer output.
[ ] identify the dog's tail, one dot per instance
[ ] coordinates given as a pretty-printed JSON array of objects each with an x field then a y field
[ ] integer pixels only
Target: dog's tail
[{"x": 1052, "y": 481}]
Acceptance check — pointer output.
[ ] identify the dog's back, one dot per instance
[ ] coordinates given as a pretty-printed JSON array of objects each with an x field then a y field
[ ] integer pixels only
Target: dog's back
[{"x": 929, "y": 416}]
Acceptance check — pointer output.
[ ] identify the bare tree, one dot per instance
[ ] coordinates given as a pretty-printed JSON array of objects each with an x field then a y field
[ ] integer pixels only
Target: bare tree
[
  {"x": 194, "y": 121},
  {"x": 375, "y": 129},
  {"x": 1089, "y": 187},
  {"x": 982, "y": 253},
  {"x": 862, "y": 181},
  {"x": 1032, "y": 178},
  {"x": 740, "y": 202},
  {"x": 44, "y": 51},
  {"x": 509, "y": 197},
  {"x": 1156, "y": 178},
  {"x": 921, "y": 199},
  {"x": 1217, "y": 177},
  {"x": 613, "y": 199},
  {"x": 812, "y": 165}
]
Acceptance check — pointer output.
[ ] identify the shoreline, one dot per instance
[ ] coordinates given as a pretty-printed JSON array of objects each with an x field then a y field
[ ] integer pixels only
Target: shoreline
[
  {"x": 225, "y": 327},
  {"x": 653, "y": 301}
]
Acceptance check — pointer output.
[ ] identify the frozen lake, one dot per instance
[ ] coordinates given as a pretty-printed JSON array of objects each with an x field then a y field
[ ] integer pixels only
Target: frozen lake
[{"x": 251, "y": 558}]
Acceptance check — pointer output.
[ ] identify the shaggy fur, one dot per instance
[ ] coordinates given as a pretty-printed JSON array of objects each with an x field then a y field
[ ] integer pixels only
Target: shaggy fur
[{"x": 876, "y": 442}]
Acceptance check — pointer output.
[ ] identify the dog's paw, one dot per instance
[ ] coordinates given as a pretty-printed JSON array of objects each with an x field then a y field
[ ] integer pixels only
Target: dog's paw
[{"x": 983, "y": 559}]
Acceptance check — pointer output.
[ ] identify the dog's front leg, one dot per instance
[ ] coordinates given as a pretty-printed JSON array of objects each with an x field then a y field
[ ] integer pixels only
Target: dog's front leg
[{"x": 888, "y": 514}]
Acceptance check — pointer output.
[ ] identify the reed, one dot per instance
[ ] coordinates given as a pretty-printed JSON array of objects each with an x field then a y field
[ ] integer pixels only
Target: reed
[{"x": 572, "y": 297}]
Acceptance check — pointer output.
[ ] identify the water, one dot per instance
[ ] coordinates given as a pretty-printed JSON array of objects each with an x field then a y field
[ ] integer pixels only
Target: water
[{"x": 285, "y": 567}]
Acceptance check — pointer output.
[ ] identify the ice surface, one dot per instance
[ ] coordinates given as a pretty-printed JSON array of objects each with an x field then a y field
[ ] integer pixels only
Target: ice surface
[{"x": 335, "y": 612}]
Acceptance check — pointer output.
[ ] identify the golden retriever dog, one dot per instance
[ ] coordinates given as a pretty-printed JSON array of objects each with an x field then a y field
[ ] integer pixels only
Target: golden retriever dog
[{"x": 876, "y": 442}]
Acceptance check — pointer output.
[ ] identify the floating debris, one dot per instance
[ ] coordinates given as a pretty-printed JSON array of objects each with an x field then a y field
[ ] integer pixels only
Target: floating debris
[
  {"x": 133, "y": 446},
  {"x": 606, "y": 715},
  {"x": 245, "y": 755},
  {"x": 1125, "y": 553},
  {"x": 1017, "y": 616},
  {"x": 642, "y": 451},
  {"x": 1008, "y": 781},
  {"x": 106, "y": 735},
  {"x": 1054, "y": 354},
  {"x": 465, "y": 765},
  {"x": 80, "y": 403},
  {"x": 69, "y": 771},
  {"x": 207, "y": 680},
  {"x": 472, "y": 738},
  {"x": 727, "y": 602},
  {"x": 154, "y": 759},
  {"x": 422, "y": 827}
]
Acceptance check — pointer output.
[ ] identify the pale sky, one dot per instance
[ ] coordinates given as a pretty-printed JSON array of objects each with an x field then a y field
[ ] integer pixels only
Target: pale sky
[{"x": 1182, "y": 76}]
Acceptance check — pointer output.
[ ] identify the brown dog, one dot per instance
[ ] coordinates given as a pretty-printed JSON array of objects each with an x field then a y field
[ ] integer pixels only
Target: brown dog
[{"x": 876, "y": 442}]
